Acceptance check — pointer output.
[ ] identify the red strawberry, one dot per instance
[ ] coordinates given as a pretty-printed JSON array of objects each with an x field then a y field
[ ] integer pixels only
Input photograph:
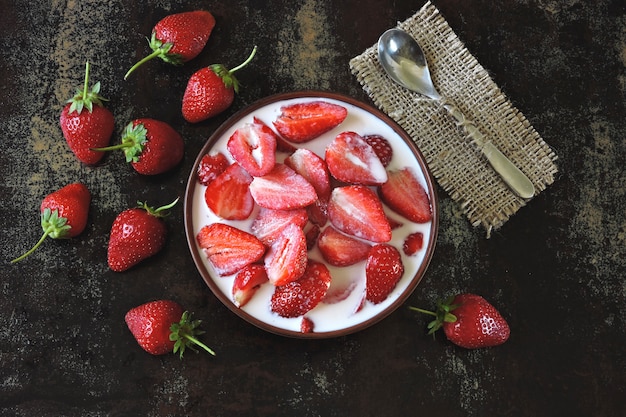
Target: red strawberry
[
  {"x": 247, "y": 281},
  {"x": 211, "y": 166},
  {"x": 357, "y": 211},
  {"x": 413, "y": 243},
  {"x": 382, "y": 147},
  {"x": 311, "y": 233},
  {"x": 229, "y": 249},
  {"x": 352, "y": 160},
  {"x": 178, "y": 38},
  {"x": 286, "y": 259},
  {"x": 301, "y": 296},
  {"x": 405, "y": 195},
  {"x": 162, "y": 326},
  {"x": 269, "y": 224},
  {"x": 137, "y": 234},
  {"x": 152, "y": 147},
  {"x": 313, "y": 169},
  {"x": 63, "y": 214},
  {"x": 253, "y": 146},
  {"x": 210, "y": 91},
  {"x": 282, "y": 189},
  {"x": 307, "y": 325},
  {"x": 302, "y": 122},
  {"x": 469, "y": 321},
  {"x": 86, "y": 123},
  {"x": 339, "y": 249},
  {"x": 383, "y": 270},
  {"x": 228, "y": 195}
]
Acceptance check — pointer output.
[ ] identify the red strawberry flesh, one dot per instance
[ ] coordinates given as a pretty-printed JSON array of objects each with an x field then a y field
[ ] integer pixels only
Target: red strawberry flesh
[
  {"x": 282, "y": 189},
  {"x": 405, "y": 195},
  {"x": 228, "y": 248},
  {"x": 286, "y": 259},
  {"x": 253, "y": 146},
  {"x": 383, "y": 270},
  {"x": 302, "y": 122},
  {"x": 301, "y": 296}
]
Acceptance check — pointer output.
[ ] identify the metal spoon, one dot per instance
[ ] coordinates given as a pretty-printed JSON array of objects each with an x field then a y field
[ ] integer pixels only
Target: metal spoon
[{"x": 404, "y": 61}]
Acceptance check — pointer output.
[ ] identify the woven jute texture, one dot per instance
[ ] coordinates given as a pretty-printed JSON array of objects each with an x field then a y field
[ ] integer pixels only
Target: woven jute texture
[{"x": 454, "y": 161}]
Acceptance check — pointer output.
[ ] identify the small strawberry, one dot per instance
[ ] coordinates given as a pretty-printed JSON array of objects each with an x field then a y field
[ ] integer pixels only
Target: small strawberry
[
  {"x": 302, "y": 122},
  {"x": 253, "y": 146},
  {"x": 282, "y": 189},
  {"x": 151, "y": 146},
  {"x": 352, "y": 160},
  {"x": 179, "y": 37},
  {"x": 211, "y": 166},
  {"x": 246, "y": 282},
  {"x": 229, "y": 249},
  {"x": 286, "y": 259},
  {"x": 299, "y": 297},
  {"x": 137, "y": 234},
  {"x": 382, "y": 147},
  {"x": 307, "y": 325},
  {"x": 313, "y": 169},
  {"x": 228, "y": 196},
  {"x": 339, "y": 249},
  {"x": 413, "y": 243},
  {"x": 210, "y": 91},
  {"x": 405, "y": 195},
  {"x": 63, "y": 214},
  {"x": 162, "y": 326},
  {"x": 268, "y": 224},
  {"x": 383, "y": 270},
  {"x": 86, "y": 123},
  {"x": 469, "y": 321}
]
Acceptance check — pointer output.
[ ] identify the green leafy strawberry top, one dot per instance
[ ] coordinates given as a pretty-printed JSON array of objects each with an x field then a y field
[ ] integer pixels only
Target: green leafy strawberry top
[
  {"x": 85, "y": 98},
  {"x": 184, "y": 333}
]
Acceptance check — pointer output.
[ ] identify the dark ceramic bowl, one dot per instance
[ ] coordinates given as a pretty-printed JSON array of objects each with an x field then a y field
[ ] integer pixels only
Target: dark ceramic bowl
[{"x": 344, "y": 311}]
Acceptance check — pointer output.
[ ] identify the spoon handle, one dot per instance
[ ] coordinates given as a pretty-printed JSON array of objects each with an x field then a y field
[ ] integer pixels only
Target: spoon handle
[{"x": 511, "y": 174}]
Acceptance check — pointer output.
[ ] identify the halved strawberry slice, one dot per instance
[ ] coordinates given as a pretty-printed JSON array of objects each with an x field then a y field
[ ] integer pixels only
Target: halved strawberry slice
[
  {"x": 357, "y": 211},
  {"x": 302, "y": 122},
  {"x": 229, "y": 249},
  {"x": 282, "y": 189},
  {"x": 228, "y": 195},
  {"x": 301, "y": 296},
  {"x": 339, "y": 249},
  {"x": 268, "y": 224},
  {"x": 253, "y": 146},
  {"x": 413, "y": 243},
  {"x": 307, "y": 325},
  {"x": 405, "y": 195},
  {"x": 247, "y": 281},
  {"x": 211, "y": 166},
  {"x": 286, "y": 259},
  {"x": 352, "y": 160},
  {"x": 383, "y": 270},
  {"x": 382, "y": 147},
  {"x": 313, "y": 169}
]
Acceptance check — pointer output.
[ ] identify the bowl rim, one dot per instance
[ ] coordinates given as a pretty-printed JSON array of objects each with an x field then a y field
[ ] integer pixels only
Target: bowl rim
[{"x": 197, "y": 254}]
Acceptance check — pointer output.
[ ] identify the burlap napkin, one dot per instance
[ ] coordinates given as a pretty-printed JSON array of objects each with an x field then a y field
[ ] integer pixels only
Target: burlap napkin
[{"x": 457, "y": 164}]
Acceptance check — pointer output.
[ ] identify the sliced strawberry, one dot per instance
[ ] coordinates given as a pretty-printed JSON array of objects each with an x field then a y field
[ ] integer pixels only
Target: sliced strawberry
[
  {"x": 339, "y": 291},
  {"x": 282, "y": 189},
  {"x": 357, "y": 211},
  {"x": 339, "y": 249},
  {"x": 286, "y": 259},
  {"x": 311, "y": 233},
  {"x": 352, "y": 160},
  {"x": 253, "y": 146},
  {"x": 413, "y": 243},
  {"x": 405, "y": 195},
  {"x": 268, "y": 224},
  {"x": 211, "y": 166},
  {"x": 307, "y": 325},
  {"x": 283, "y": 146},
  {"x": 383, "y": 270},
  {"x": 302, "y": 122},
  {"x": 318, "y": 212},
  {"x": 228, "y": 196},
  {"x": 382, "y": 147},
  {"x": 229, "y": 249},
  {"x": 313, "y": 169},
  {"x": 247, "y": 281},
  {"x": 301, "y": 296}
]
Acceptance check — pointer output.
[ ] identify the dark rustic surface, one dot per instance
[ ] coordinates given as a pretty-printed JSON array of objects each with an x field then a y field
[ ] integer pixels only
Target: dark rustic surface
[{"x": 555, "y": 270}]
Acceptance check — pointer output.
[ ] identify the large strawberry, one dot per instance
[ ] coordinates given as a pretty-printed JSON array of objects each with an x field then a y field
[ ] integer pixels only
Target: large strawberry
[
  {"x": 151, "y": 146},
  {"x": 137, "y": 234},
  {"x": 302, "y": 122},
  {"x": 228, "y": 195},
  {"x": 404, "y": 194},
  {"x": 162, "y": 326},
  {"x": 63, "y": 214},
  {"x": 179, "y": 37},
  {"x": 210, "y": 91},
  {"x": 86, "y": 123},
  {"x": 383, "y": 270},
  {"x": 469, "y": 321},
  {"x": 298, "y": 297},
  {"x": 352, "y": 160}
]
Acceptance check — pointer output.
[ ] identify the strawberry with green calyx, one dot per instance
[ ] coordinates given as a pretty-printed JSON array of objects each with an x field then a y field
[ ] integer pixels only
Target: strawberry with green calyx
[
  {"x": 63, "y": 214},
  {"x": 469, "y": 321},
  {"x": 162, "y": 326},
  {"x": 178, "y": 38},
  {"x": 211, "y": 90},
  {"x": 86, "y": 123}
]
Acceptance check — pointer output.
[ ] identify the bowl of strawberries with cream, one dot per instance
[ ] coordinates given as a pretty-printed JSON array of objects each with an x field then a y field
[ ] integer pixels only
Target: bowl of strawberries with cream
[{"x": 311, "y": 214}]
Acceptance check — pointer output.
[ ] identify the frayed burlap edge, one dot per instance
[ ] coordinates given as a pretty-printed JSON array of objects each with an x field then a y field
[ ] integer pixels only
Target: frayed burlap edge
[{"x": 459, "y": 166}]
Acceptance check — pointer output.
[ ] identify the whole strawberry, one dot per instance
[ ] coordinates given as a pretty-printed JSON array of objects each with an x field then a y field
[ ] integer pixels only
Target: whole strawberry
[
  {"x": 162, "y": 326},
  {"x": 178, "y": 38},
  {"x": 210, "y": 91},
  {"x": 137, "y": 233},
  {"x": 63, "y": 214},
  {"x": 469, "y": 321},
  {"x": 86, "y": 123},
  {"x": 151, "y": 146}
]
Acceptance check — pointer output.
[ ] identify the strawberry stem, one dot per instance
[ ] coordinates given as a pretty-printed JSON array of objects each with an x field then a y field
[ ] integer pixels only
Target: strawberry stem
[
  {"x": 31, "y": 250},
  {"x": 133, "y": 141},
  {"x": 183, "y": 334},
  {"x": 442, "y": 314},
  {"x": 85, "y": 98},
  {"x": 159, "y": 49},
  {"x": 86, "y": 83},
  {"x": 158, "y": 212},
  {"x": 246, "y": 62},
  {"x": 54, "y": 226}
]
